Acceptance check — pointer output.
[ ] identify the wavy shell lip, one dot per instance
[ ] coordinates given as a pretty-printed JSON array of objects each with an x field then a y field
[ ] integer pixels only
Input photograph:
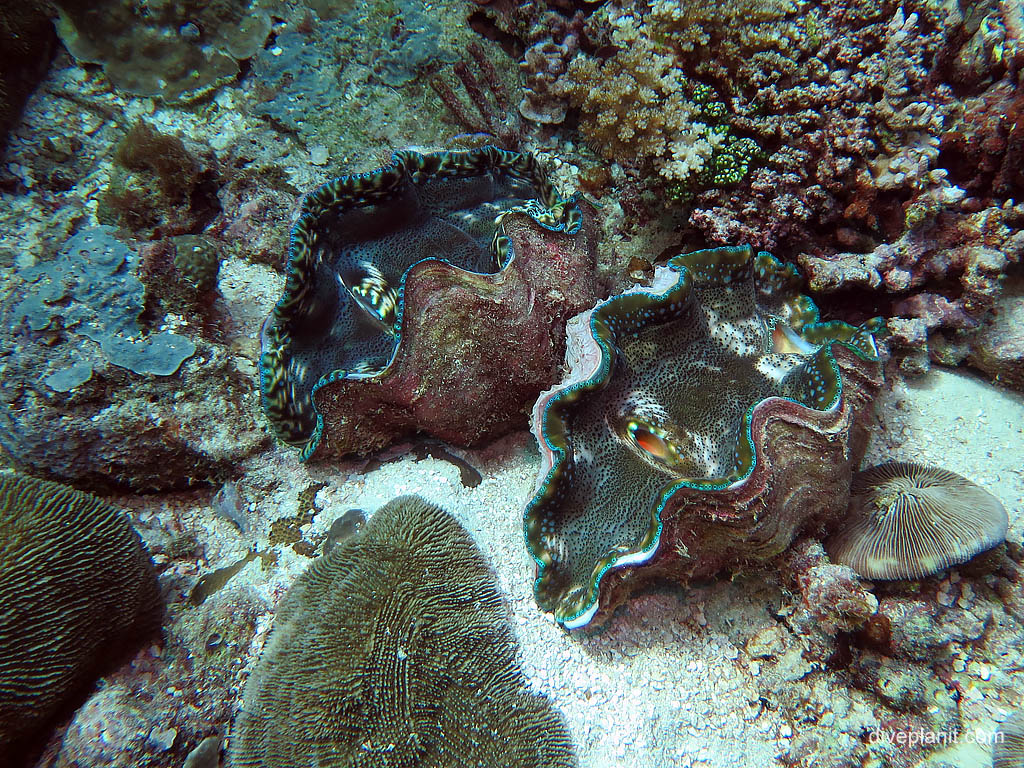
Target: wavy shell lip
[
  {"x": 355, "y": 244},
  {"x": 910, "y": 521},
  {"x": 559, "y": 526}
]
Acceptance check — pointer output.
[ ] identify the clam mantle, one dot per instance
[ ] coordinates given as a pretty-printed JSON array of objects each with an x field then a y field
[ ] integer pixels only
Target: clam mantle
[{"x": 372, "y": 253}]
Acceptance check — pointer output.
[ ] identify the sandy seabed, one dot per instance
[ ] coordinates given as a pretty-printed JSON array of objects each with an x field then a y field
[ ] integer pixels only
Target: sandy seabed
[{"x": 668, "y": 680}]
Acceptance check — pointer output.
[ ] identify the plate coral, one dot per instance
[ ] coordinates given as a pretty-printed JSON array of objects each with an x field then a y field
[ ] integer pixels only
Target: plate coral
[{"x": 699, "y": 414}]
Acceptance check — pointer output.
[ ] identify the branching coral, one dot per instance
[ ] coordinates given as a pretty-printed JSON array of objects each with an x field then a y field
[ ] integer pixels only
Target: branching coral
[
  {"x": 816, "y": 113},
  {"x": 638, "y": 107}
]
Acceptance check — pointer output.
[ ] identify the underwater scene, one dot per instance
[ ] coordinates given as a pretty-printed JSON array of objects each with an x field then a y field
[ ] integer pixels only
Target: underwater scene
[{"x": 512, "y": 384}]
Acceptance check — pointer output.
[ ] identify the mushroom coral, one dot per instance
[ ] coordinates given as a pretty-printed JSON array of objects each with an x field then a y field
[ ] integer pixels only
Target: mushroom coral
[{"x": 908, "y": 521}]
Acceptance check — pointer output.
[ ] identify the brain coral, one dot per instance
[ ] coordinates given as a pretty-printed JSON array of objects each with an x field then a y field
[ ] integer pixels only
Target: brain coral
[
  {"x": 373, "y": 254},
  {"x": 77, "y": 588},
  {"x": 395, "y": 650},
  {"x": 712, "y": 412}
]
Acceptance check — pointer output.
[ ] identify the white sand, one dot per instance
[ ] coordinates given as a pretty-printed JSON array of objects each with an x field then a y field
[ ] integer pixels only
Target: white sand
[{"x": 667, "y": 681}]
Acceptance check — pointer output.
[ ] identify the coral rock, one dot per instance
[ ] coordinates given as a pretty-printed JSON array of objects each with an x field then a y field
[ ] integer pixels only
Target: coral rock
[
  {"x": 706, "y": 421},
  {"x": 834, "y": 598},
  {"x": 92, "y": 399}
]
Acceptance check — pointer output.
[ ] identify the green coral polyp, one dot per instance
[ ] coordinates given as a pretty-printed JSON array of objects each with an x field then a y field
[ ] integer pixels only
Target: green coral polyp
[
  {"x": 668, "y": 404},
  {"x": 355, "y": 243}
]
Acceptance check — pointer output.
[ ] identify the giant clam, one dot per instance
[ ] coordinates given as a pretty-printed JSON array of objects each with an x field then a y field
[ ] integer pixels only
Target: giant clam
[{"x": 706, "y": 420}]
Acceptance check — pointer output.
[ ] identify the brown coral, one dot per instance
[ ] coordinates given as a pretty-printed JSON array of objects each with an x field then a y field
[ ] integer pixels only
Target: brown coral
[
  {"x": 394, "y": 650},
  {"x": 77, "y": 589}
]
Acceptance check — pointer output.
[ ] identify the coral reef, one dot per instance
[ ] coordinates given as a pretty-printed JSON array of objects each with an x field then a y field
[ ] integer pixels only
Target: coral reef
[
  {"x": 983, "y": 148},
  {"x": 180, "y": 274},
  {"x": 349, "y": 345},
  {"x": 377, "y": 55},
  {"x": 78, "y": 590},
  {"x": 91, "y": 379},
  {"x": 544, "y": 63},
  {"x": 715, "y": 396},
  {"x": 180, "y": 51},
  {"x": 403, "y": 628},
  {"x": 877, "y": 144},
  {"x": 834, "y": 598},
  {"x": 297, "y": 79},
  {"x": 797, "y": 80},
  {"x": 639, "y": 107},
  {"x": 858, "y": 134},
  {"x": 949, "y": 286},
  {"x": 998, "y": 347},
  {"x": 415, "y": 48},
  {"x": 907, "y": 521}
]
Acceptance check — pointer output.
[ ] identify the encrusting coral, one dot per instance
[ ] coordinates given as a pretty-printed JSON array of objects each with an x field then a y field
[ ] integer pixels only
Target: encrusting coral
[
  {"x": 399, "y": 282},
  {"x": 705, "y": 421},
  {"x": 639, "y": 106},
  {"x": 179, "y": 51},
  {"x": 91, "y": 290},
  {"x": 908, "y": 521},
  {"x": 77, "y": 589},
  {"x": 395, "y": 650}
]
